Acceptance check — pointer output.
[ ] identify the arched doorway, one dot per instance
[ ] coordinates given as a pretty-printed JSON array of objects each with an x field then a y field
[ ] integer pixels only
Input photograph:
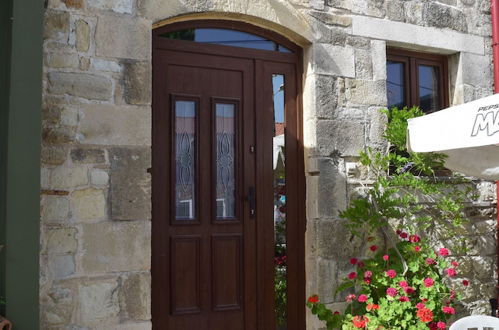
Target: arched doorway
[{"x": 228, "y": 178}]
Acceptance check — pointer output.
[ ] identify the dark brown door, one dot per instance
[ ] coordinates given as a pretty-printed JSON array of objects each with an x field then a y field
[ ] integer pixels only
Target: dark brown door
[{"x": 212, "y": 188}]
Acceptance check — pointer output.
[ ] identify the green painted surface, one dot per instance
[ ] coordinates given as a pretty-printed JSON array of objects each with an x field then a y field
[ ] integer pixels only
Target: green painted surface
[{"x": 20, "y": 121}]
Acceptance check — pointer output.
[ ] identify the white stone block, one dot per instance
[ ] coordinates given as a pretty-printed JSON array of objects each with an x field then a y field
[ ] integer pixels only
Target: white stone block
[
  {"x": 54, "y": 208},
  {"x": 334, "y": 60},
  {"x": 68, "y": 177},
  {"x": 99, "y": 64},
  {"x": 99, "y": 177},
  {"x": 378, "y": 50},
  {"x": 119, "y": 6},
  {"x": 445, "y": 40}
]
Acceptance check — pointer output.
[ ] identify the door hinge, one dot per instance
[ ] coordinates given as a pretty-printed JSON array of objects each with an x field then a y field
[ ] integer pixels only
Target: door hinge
[{"x": 252, "y": 149}]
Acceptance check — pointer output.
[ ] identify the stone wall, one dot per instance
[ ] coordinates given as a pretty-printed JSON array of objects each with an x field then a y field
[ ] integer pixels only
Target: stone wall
[{"x": 95, "y": 220}]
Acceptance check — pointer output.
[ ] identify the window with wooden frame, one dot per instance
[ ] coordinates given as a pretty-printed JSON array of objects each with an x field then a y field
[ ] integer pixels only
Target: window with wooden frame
[{"x": 419, "y": 79}]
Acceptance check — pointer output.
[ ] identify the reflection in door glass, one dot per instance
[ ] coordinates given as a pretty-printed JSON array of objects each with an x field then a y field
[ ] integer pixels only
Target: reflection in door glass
[
  {"x": 428, "y": 91},
  {"x": 279, "y": 202},
  {"x": 185, "y": 160},
  {"x": 225, "y": 136}
]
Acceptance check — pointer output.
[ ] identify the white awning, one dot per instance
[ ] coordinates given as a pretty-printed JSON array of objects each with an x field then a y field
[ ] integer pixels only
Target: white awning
[{"x": 468, "y": 134}]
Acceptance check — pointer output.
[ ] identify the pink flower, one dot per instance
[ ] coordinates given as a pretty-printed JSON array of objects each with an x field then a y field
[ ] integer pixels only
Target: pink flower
[
  {"x": 414, "y": 238},
  {"x": 373, "y": 248},
  {"x": 428, "y": 282},
  {"x": 368, "y": 274},
  {"x": 443, "y": 252},
  {"x": 350, "y": 297},
  {"x": 455, "y": 263},
  {"x": 353, "y": 261},
  {"x": 386, "y": 257},
  {"x": 466, "y": 283},
  {"x": 391, "y": 273},
  {"x": 452, "y": 294},
  {"x": 392, "y": 292},
  {"x": 448, "y": 310},
  {"x": 404, "y": 235},
  {"x": 362, "y": 298},
  {"x": 430, "y": 261},
  {"x": 417, "y": 248},
  {"x": 352, "y": 275},
  {"x": 403, "y": 284},
  {"x": 409, "y": 290},
  {"x": 441, "y": 325},
  {"x": 451, "y": 272},
  {"x": 403, "y": 298},
  {"x": 420, "y": 305}
]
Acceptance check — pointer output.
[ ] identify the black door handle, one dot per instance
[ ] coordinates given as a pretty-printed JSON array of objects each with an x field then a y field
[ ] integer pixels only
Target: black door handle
[{"x": 251, "y": 201}]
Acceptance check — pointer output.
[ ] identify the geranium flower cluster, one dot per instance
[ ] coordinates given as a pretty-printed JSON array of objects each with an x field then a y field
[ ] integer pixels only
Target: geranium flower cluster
[{"x": 405, "y": 280}]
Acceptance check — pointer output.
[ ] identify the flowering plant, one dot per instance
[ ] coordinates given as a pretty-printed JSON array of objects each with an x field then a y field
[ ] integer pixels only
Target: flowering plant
[{"x": 403, "y": 284}]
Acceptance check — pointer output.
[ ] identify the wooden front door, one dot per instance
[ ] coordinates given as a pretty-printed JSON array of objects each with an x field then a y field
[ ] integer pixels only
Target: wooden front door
[{"x": 212, "y": 186}]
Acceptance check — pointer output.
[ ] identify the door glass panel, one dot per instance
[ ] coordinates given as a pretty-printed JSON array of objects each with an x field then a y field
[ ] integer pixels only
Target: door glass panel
[
  {"x": 395, "y": 84},
  {"x": 225, "y": 167},
  {"x": 280, "y": 281},
  {"x": 227, "y": 38},
  {"x": 428, "y": 88},
  {"x": 185, "y": 159}
]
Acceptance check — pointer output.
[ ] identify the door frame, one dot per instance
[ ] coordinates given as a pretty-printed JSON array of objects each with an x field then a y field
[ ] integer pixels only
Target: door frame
[{"x": 296, "y": 220}]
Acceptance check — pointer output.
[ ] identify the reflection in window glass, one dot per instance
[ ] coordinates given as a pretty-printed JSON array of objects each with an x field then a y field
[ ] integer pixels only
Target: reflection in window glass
[
  {"x": 395, "y": 84},
  {"x": 185, "y": 160},
  {"x": 428, "y": 88},
  {"x": 227, "y": 38},
  {"x": 279, "y": 202},
  {"x": 226, "y": 139}
]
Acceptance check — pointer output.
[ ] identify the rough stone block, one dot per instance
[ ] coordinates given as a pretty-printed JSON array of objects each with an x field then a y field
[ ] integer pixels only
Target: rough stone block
[
  {"x": 88, "y": 204},
  {"x": 53, "y": 155},
  {"x": 58, "y": 304},
  {"x": 116, "y": 246},
  {"x": 99, "y": 64},
  {"x": 332, "y": 190},
  {"x": 61, "y": 266},
  {"x": 334, "y": 60},
  {"x": 138, "y": 83},
  {"x": 130, "y": 184},
  {"x": 99, "y": 177},
  {"x": 83, "y": 85},
  {"x": 441, "y": 16},
  {"x": 118, "y": 6},
  {"x": 88, "y": 156},
  {"x": 68, "y": 177},
  {"x": 340, "y": 137},
  {"x": 56, "y": 25},
  {"x": 54, "y": 208},
  {"x": 104, "y": 124},
  {"x": 363, "y": 64},
  {"x": 395, "y": 10},
  {"x": 82, "y": 35},
  {"x": 327, "y": 90},
  {"x": 335, "y": 242},
  {"x": 135, "y": 296},
  {"x": 476, "y": 70},
  {"x": 331, "y": 19},
  {"x": 53, "y": 134},
  {"x": 61, "y": 240},
  {"x": 366, "y": 92},
  {"x": 112, "y": 41},
  {"x": 99, "y": 302},
  {"x": 60, "y": 60},
  {"x": 378, "y": 56}
]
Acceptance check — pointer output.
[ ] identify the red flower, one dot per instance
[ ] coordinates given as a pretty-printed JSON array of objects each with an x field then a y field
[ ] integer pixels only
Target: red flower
[
  {"x": 336, "y": 313},
  {"x": 353, "y": 261},
  {"x": 392, "y": 292},
  {"x": 420, "y": 305},
  {"x": 360, "y": 264},
  {"x": 360, "y": 321},
  {"x": 367, "y": 280},
  {"x": 409, "y": 290},
  {"x": 441, "y": 325},
  {"x": 466, "y": 283},
  {"x": 351, "y": 297},
  {"x": 448, "y": 310},
  {"x": 428, "y": 282},
  {"x": 362, "y": 298},
  {"x": 451, "y": 272},
  {"x": 403, "y": 284},
  {"x": 433, "y": 326},
  {"x": 398, "y": 231},
  {"x": 391, "y": 273},
  {"x": 443, "y": 252},
  {"x": 452, "y": 294},
  {"x": 313, "y": 299},
  {"x": 403, "y": 235},
  {"x": 386, "y": 257},
  {"x": 403, "y": 299},
  {"x": 352, "y": 275},
  {"x": 425, "y": 315},
  {"x": 430, "y": 261},
  {"x": 417, "y": 248},
  {"x": 373, "y": 248},
  {"x": 414, "y": 238},
  {"x": 455, "y": 263},
  {"x": 370, "y": 307}
]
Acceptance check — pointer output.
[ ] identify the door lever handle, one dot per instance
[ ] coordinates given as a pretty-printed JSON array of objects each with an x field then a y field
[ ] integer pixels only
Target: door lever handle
[{"x": 251, "y": 201}]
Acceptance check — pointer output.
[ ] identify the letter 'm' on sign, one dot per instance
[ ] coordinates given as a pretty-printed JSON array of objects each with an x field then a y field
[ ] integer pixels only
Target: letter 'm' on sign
[{"x": 488, "y": 122}]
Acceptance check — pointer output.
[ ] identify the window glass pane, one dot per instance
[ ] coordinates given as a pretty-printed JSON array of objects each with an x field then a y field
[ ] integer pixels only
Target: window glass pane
[
  {"x": 428, "y": 88},
  {"x": 225, "y": 139},
  {"x": 185, "y": 159},
  {"x": 395, "y": 84},
  {"x": 279, "y": 202},
  {"x": 226, "y": 37}
]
